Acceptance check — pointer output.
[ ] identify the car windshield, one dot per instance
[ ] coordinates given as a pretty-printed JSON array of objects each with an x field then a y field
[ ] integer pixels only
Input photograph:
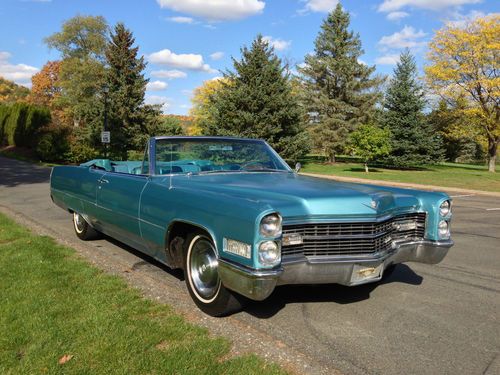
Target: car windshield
[{"x": 210, "y": 155}]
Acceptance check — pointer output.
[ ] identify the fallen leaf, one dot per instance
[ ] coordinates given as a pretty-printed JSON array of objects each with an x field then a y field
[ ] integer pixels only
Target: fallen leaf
[{"x": 65, "y": 358}]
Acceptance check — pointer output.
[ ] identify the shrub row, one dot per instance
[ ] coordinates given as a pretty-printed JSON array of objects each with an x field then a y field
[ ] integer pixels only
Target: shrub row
[{"x": 22, "y": 123}]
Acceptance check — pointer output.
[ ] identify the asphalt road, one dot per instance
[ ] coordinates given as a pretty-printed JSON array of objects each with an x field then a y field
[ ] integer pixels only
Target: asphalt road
[{"x": 424, "y": 319}]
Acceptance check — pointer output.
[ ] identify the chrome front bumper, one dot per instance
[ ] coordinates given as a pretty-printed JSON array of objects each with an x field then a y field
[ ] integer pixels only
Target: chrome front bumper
[{"x": 259, "y": 284}]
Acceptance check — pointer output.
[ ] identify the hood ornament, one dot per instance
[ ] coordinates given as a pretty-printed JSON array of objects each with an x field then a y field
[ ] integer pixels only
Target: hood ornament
[{"x": 373, "y": 205}]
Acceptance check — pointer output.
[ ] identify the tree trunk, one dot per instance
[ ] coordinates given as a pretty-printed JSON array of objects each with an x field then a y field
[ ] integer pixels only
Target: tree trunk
[
  {"x": 331, "y": 157},
  {"x": 492, "y": 154},
  {"x": 366, "y": 167}
]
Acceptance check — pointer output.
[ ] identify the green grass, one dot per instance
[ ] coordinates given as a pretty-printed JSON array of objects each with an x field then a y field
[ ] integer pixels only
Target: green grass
[
  {"x": 52, "y": 304},
  {"x": 464, "y": 176}
]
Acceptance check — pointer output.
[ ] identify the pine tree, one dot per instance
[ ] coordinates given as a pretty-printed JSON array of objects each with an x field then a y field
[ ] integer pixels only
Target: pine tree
[
  {"x": 256, "y": 101},
  {"x": 413, "y": 140},
  {"x": 339, "y": 91},
  {"x": 127, "y": 86}
]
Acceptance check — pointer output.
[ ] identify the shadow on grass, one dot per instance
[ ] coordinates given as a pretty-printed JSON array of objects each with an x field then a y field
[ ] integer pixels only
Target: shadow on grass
[
  {"x": 463, "y": 167},
  {"x": 362, "y": 169}
]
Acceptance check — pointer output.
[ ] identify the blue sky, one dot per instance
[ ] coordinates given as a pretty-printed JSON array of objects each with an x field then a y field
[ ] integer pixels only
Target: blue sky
[{"x": 189, "y": 41}]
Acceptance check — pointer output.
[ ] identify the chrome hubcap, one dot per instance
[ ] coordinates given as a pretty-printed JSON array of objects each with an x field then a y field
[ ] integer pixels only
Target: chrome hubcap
[
  {"x": 203, "y": 268},
  {"x": 79, "y": 222}
]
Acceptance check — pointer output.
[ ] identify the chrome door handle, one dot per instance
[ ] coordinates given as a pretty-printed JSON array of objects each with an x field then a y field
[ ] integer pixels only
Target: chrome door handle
[{"x": 103, "y": 181}]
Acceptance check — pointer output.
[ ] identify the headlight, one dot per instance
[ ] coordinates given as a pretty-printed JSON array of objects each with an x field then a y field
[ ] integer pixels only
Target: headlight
[
  {"x": 444, "y": 229},
  {"x": 445, "y": 208},
  {"x": 269, "y": 253},
  {"x": 270, "y": 226}
]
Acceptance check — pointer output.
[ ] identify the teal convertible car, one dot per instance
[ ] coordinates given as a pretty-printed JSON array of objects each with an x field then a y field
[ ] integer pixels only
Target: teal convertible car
[{"x": 239, "y": 221}]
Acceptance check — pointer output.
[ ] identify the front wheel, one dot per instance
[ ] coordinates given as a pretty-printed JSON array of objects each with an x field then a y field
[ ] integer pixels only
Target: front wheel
[
  {"x": 83, "y": 229},
  {"x": 202, "y": 277}
]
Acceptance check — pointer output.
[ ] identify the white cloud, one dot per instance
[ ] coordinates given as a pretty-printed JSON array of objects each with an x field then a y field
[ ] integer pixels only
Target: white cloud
[
  {"x": 278, "y": 44},
  {"x": 4, "y": 55},
  {"x": 156, "y": 86},
  {"x": 323, "y": 6},
  {"x": 397, "y": 16},
  {"x": 168, "y": 74},
  {"x": 19, "y": 73},
  {"x": 189, "y": 61},
  {"x": 390, "y": 59},
  {"x": 460, "y": 20},
  {"x": 394, "y": 5},
  {"x": 216, "y": 10},
  {"x": 180, "y": 19},
  {"x": 408, "y": 37},
  {"x": 164, "y": 101},
  {"x": 217, "y": 55}
]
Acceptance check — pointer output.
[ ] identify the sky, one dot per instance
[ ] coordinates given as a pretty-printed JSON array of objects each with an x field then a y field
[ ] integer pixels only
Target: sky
[{"x": 187, "y": 42}]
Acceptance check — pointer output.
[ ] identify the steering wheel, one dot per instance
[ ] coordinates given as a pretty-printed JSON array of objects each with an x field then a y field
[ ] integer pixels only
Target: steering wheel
[{"x": 257, "y": 164}]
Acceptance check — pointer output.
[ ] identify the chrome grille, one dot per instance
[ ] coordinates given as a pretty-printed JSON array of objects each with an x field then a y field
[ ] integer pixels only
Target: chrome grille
[{"x": 356, "y": 239}]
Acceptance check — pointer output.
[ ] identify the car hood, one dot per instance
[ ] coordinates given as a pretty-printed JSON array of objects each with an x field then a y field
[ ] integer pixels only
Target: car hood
[{"x": 295, "y": 195}]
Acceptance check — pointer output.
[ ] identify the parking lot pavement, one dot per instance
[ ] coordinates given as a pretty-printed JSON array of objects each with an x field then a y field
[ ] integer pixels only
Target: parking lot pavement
[{"x": 424, "y": 319}]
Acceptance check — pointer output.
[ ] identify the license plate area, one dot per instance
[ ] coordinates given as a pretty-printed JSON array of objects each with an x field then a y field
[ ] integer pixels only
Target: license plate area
[{"x": 363, "y": 273}]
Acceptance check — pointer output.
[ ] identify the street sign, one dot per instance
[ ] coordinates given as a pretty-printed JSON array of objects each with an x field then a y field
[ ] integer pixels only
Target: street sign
[{"x": 106, "y": 137}]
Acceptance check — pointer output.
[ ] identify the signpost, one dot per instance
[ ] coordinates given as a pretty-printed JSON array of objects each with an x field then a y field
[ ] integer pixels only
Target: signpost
[
  {"x": 105, "y": 137},
  {"x": 105, "y": 140}
]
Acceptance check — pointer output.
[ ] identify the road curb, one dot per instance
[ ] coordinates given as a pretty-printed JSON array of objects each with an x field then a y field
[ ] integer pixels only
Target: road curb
[{"x": 404, "y": 185}]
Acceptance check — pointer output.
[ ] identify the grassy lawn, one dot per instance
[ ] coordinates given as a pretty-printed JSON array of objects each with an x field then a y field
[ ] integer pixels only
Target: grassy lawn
[
  {"x": 447, "y": 174},
  {"x": 58, "y": 314}
]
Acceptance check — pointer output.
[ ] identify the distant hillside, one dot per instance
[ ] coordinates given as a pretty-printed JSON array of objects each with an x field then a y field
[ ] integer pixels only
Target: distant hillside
[{"x": 11, "y": 92}]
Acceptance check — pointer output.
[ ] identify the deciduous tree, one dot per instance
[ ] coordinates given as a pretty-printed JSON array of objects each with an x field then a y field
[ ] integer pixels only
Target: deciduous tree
[
  {"x": 463, "y": 140},
  {"x": 339, "y": 90},
  {"x": 81, "y": 37},
  {"x": 11, "y": 92},
  {"x": 464, "y": 63},
  {"x": 45, "y": 86},
  {"x": 82, "y": 43},
  {"x": 202, "y": 109},
  {"x": 370, "y": 142}
]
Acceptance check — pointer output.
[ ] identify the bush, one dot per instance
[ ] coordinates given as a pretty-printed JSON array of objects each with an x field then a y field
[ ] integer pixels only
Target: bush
[
  {"x": 4, "y": 115},
  {"x": 79, "y": 148},
  {"x": 53, "y": 144},
  {"x": 21, "y": 123}
]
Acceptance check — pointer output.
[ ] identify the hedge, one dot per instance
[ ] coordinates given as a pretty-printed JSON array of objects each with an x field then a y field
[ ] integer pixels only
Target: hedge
[{"x": 21, "y": 123}]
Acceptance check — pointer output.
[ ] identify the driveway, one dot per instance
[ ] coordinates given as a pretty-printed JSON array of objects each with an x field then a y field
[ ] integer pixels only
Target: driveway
[{"x": 424, "y": 319}]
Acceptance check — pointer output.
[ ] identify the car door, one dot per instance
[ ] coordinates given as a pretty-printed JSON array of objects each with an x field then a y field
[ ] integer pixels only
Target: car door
[{"x": 118, "y": 199}]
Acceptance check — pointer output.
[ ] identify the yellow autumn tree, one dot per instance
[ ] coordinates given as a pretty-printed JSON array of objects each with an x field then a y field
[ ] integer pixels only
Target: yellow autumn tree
[
  {"x": 201, "y": 111},
  {"x": 464, "y": 64}
]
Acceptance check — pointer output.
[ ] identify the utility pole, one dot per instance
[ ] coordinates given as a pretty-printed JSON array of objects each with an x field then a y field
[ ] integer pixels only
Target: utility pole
[{"x": 105, "y": 140}]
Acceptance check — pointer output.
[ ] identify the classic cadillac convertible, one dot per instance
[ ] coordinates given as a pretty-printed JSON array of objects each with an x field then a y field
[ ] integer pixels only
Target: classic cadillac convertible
[{"x": 234, "y": 216}]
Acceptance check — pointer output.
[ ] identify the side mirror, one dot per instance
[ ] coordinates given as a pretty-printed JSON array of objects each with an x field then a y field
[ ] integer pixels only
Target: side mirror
[{"x": 297, "y": 167}]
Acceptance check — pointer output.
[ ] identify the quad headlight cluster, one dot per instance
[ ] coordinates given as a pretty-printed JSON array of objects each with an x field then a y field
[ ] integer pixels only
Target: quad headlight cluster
[
  {"x": 270, "y": 250},
  {"x": 444, "y": 222}
]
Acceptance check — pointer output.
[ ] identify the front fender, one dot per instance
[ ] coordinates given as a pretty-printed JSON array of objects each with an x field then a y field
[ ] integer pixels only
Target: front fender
[{"x": 220, "y": 215}]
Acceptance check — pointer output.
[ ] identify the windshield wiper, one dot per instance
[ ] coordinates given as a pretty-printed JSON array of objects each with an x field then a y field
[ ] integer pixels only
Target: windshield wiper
[
  {"x": 265, "y": 170},
  {"x": 220, "y": 171}
]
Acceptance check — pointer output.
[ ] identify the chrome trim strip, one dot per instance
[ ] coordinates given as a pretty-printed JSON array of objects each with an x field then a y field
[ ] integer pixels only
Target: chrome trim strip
[
  {"x": 362, "y": 258},
  {"x": 328, "y": 219}
]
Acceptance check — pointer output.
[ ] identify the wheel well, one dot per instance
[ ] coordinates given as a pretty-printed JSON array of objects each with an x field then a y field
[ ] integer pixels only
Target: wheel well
[{"x": 174, "y": 241}]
